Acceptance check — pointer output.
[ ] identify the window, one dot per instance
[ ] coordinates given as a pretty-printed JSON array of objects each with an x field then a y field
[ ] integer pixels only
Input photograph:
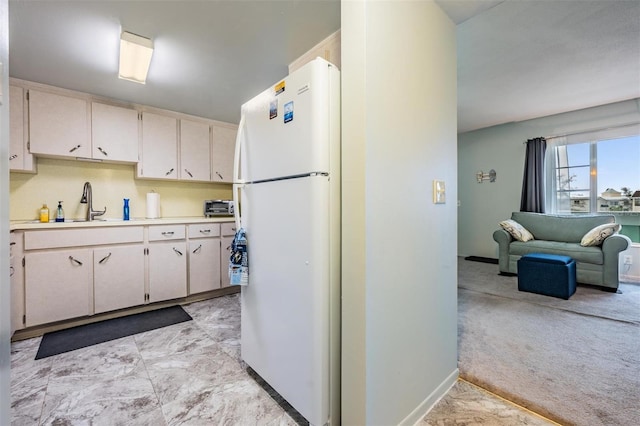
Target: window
[
  {"x": 593, "y": 175},
  {"x": 597, "y": 176},
  {"x": 597, "y": 172},
  {"x": 572, "y": 177}
]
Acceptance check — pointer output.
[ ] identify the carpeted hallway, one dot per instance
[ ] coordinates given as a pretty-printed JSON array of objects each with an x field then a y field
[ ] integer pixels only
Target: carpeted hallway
[{"x": 576, "y": 362}]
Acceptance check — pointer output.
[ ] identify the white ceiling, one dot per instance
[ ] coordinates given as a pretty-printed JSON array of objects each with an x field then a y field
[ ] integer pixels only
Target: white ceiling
[
  {"x": 209, "y": 58},
  {"x": 517, "y": 59}
]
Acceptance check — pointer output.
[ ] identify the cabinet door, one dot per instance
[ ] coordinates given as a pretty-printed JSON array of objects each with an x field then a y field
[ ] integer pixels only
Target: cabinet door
[
  {"x": 57, "y": 285},
  {"x": 195, "y": 160},
  {"x": 225, "y": 252},
  {"x": 118, "y": 277},
  {"x": 167, "y": 271},
  {"x": 222, "y": 151},
  {"x": 16, "y": 278},
  {"x": 159, "y": 147},
  {"x": 58, "y": 125},
  {"x": 204, "y": 265},
  {"x": 114, "y": 133},
  {"x": 20, "y": 160}
]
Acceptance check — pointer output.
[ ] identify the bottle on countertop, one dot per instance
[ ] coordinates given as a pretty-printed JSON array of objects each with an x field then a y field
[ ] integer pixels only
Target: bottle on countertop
[
  {"x": 125, "y": 209},
  {"x": 59, "y": 213},
  {"x": 44, "y": 213}
]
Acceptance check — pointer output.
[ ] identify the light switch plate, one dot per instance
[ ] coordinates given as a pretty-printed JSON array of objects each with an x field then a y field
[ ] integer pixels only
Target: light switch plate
[{"x": 439, "y": 194}]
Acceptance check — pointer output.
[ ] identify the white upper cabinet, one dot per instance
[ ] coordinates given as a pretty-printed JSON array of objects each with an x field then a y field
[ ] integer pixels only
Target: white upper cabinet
[
  {"x": 59, "y": 125},
  {"x": 20, "y": 160},
  {"x": 195, "y": 160},
  {"x": 222, "y": 151},
  {"x": 159, "y": 148},
  {"x": 114, "y": 133}
]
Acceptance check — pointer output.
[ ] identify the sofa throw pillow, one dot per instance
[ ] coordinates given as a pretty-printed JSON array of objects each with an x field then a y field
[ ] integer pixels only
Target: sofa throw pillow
[
  {"x": 597, "y": 235},
  {"x": 516, "y": 230}
]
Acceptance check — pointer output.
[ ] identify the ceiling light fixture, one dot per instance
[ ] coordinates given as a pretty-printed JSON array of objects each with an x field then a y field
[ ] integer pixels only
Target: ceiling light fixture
[{"x": 135, "y": 57}]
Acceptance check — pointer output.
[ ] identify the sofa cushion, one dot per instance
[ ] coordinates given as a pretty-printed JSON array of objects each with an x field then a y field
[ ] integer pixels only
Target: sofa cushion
[
  {"x": 597, "y": 235},
  {"x": 573, "y": 250},
  {"x": 516, "y": 230},
  {"x": 560, "y": 228}
]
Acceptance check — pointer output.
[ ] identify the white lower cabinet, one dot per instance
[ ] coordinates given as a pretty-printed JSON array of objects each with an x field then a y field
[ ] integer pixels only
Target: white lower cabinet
[
  {"x": 16, "y": 278},
  {"x": 167, "y": 271},
  {"x": 73, "y": 273},
  {"x": 58, "y": 285},
  {"x": 118, "y": 277},
  {"x": 204, "y": 255}
]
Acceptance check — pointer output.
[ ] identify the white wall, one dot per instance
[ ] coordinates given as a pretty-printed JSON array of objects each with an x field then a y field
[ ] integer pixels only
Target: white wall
[
  {"x": 5, "y": 314},
  {"x": 399, "y": 249},
  {"x": 501, "y": 148}
]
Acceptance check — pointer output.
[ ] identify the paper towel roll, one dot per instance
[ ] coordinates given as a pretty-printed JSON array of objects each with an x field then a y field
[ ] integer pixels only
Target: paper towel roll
[{"x": 153, "y": 205}]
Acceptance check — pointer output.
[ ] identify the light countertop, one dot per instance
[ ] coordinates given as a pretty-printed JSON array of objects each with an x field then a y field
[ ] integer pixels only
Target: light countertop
[{"x": 16, "y": 225}]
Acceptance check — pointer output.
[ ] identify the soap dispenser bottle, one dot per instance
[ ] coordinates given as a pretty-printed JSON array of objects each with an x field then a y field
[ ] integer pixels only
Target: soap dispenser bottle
[
  {"x": 44, "y": 214},
  {"x": 59, "y": 213},
  {"x": 125, "y": 209}
]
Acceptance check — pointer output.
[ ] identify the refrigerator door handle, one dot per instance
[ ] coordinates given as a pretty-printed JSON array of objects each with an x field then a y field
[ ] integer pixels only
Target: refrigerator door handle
[
  {"x": 236, "y": 156},
  {"x": 237, "y": 187},
  {"x": 238, "y": 183}
]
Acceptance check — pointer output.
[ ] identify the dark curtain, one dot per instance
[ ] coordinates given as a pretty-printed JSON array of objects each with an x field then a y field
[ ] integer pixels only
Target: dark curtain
[{"x": 532, "y": 199}]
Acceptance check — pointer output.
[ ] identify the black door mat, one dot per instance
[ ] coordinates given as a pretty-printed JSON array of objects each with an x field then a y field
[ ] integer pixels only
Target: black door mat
[
  {"x": 481, "y": 259},
  {"x": 58, "y": 342}
]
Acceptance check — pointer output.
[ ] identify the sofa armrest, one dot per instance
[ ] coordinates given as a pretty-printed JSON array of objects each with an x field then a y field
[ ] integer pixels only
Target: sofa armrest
[
  {"x": 503, "y": 238},
  {"x": 611, "y": 248}
]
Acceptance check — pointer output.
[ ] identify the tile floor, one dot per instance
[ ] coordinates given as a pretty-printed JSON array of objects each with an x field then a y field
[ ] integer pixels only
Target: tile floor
[{"x": 186, "y": 374}]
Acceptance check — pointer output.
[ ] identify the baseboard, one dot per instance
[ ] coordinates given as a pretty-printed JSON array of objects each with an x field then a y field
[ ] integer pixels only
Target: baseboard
[
  {"x": 629, "y": 278},
  {"x": 482, "y": 259},
  {"x": 425, "y": 406}
]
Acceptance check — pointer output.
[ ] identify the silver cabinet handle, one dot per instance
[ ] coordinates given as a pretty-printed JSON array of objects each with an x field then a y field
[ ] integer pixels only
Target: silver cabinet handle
[
  {"x": 104, "y": 259},
  {"x": 167, "y": 233},
  {"x": 197, "y": 249},
  {"x": 74, "y": 148},
  {"x": 219, "y": 175},
  {"x": 169, "y": 172},
  {"x": 205, "y": 231},
  {"x": 177, "y": 251},
  {"x": 103, "y": 151},
  {"x": 71, "y": 258},
  {"x": 13, "y": 157},
  {"x": 188, "y": 172}
]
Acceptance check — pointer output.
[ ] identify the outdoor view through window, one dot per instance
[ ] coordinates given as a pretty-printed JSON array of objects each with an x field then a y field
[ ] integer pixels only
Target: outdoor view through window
[{"x": 601, "y": 176}]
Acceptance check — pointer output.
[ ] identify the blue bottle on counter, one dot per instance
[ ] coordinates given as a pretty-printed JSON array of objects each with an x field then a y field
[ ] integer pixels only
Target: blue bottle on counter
[{"x": 125, "y": 209}]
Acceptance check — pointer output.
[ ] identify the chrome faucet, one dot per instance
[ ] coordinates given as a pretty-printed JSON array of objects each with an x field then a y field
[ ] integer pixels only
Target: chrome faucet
[{"x": 87, "y": 198}]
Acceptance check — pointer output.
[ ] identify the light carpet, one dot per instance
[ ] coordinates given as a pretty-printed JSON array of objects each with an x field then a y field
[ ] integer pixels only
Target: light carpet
[{"x": 574, "y": 361}]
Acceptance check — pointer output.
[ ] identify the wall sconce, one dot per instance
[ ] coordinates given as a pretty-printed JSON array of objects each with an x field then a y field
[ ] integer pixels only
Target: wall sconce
[{"x": 491, "y": 176}]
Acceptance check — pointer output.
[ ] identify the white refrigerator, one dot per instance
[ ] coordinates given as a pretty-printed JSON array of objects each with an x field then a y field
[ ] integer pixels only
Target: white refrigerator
[{"x": 287, "y": 186}]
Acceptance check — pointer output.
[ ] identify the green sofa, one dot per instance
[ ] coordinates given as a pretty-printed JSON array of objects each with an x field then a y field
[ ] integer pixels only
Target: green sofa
[{"x": 554, "y": 234}]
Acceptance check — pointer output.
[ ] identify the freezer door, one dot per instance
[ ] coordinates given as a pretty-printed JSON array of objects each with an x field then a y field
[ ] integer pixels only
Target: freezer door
[
  {"x": 285, "y": 307},
  {"x": 286, "y": 128}
]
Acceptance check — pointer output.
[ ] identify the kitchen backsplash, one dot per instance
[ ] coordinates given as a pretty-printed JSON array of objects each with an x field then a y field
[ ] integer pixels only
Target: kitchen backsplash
[{"x": 63, "y": 180}]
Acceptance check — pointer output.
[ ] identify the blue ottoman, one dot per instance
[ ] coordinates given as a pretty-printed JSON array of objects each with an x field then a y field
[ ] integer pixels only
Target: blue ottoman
[{"x": 548, "y": 274}]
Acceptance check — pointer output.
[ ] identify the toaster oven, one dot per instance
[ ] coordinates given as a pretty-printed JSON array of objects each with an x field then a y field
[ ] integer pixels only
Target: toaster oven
[{"x": 218, "y": 208}]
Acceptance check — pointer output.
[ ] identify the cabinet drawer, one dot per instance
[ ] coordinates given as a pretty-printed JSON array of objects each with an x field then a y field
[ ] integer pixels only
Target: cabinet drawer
[
  {"x": 228, "y": 228},
  {"x": 54, "y": 238},
  {"x": 166, "y": 232},
  {"x": 203, "y": 230}
]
